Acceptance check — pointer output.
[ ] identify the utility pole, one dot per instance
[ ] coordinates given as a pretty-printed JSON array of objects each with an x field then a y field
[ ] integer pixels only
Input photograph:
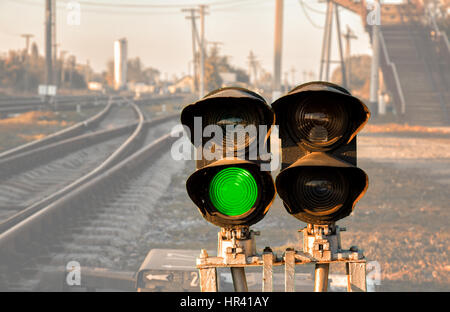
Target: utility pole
[
  {"x": 329, "y": 34},
  {"x": 374, "y": 76},
  {"x": 48, "y": 43},
  {"x": 250, "y": 58},
  {"x": 341, "y": 54},
  {"x": 276, "y": 90},
  {"x": 326, "y": 43},
  {"x": 26, "y": 57},
  {"x": 62, "y": 55},
  {"x": 286, "y": 82},
  {"x": 27, "y": 42},
  {"x": 72, "y": 62},
  {"x": 293, "y": 71},
  {"x": 202, "y": 12},
  {"x": 348, "y": 38},
  {"x": 190, "y": 70},
  {"x": 253, "y": 68},
  {"x": 87, "y": 72},
  {"x": 192, "y": 17},
  {"x": 54, "y": 44},
  {"x": 214, "y": 43}
]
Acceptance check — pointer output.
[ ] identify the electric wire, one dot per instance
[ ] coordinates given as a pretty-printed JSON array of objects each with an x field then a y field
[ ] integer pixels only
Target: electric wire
[
  {"x": 144, "y": 9},
  {"x": 309, "y": 17}
]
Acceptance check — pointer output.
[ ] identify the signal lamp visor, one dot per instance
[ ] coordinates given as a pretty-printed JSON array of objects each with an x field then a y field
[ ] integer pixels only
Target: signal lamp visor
[
  {"x": 233, "y": 191},
  {"x": 321, "y": 194},
  {"x": 238, "y": 123},
  {"x": 319, "y": 122},
  {"x": 238, "y": 113},
  {"x": 320, "y": 115}
]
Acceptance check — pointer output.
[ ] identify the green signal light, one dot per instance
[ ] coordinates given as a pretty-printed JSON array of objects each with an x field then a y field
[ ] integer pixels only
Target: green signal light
[{"x": 233, "y": 191}]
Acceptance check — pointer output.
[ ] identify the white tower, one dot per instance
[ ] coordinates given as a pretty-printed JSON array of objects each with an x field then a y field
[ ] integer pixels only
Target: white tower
[{"x": 120, "y": 64}]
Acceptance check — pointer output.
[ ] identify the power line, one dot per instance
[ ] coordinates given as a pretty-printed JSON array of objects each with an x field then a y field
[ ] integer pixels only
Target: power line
[
  {"x": 22, "y": 2},
  {"x": 130, "y": 5},
  {"x": 311, "y": 8},
  {"x": 242, "y": 4},
  {"x": 93, "y": 10},
  {"x": 144, "y": 9},
  {"x": 309, "y": 17},
  {"x": 153, "y": 6}
]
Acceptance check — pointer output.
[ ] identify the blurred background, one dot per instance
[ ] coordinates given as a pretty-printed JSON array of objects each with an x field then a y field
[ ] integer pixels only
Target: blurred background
[{"x": 63, "y": 62}]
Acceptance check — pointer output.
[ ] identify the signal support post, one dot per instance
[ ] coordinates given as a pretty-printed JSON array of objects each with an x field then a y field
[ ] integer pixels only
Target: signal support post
[{"x": 321, "y": 245}]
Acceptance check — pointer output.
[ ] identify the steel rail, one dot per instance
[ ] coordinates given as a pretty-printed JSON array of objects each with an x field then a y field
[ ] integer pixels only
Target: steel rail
[
  {"x": 59, "y": 103},
  {"x": 115, "y": 158},
  {"x": 60, "y": 135},
  {"x": 35, "y": 224}
]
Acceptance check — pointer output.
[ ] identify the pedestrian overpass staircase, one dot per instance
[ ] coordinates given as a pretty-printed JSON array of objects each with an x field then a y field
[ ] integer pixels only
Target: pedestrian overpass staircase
[{"x": 414, "y": 59}]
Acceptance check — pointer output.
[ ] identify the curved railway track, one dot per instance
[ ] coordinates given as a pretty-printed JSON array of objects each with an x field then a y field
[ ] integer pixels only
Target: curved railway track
[
  {"x": 15, "y": 105},
  {"x": 106, "y": 115},
  {"x": 114, "y": 114},
  {"x": 36, "y": 222},
  {"x": 58, "y": 168}
]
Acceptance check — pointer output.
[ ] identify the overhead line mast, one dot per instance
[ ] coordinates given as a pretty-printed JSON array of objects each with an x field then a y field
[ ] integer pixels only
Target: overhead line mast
[
  {"x": 48, "y": 43},
  {"x": 193, "y": 17}
]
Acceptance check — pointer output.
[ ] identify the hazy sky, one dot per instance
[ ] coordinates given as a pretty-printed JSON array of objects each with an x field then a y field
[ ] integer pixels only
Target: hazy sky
[{"x": 161, "y": 37}]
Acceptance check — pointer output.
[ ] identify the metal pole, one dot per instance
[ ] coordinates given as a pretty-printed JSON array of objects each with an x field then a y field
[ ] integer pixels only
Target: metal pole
[
  {"x": 202, "y": 50},
  {"x": 48, "y": 43},
  {"x": 347, "y": 55},
  {"x": 26, "y": 59},
  {"x": 192, "y": 17},
  {"x": 62, "y": 54},
  {"x": 374, "y": 69},
  {"x": 341, "y": 54},
  {"x": 194, "y": 50},
  {"x": 27, "y": 42},
  {"x": 267, "y": 282},
  {"x": 276, "y": 92},
  {"x": 293, "y": 71},
  {"x": 239, "y": 279},
  {"x": 324, "y": 43},
  {"x": 208, "y": 280},
  {"x": 348, "y": 37},
  {"x": 286, "y": 82},
  {"x": 54, "y": 44},
  {"x": 330, "y": 32},
  {"x": 321, "y": 277}
]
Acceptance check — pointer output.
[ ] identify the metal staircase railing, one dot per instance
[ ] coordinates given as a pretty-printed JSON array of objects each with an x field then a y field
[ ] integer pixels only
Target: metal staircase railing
[
  {"x": 427, "y": 63},
  {"x": 393, "y": 68},
  {"x": 441, "y": 34}
]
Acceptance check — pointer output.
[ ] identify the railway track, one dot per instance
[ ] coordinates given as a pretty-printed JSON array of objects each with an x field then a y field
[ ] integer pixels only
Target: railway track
[
  {"x": 30, "y": 224},
  {"x": 114, "y": 114},
  {"x": 71, "y": 131},
  {"x": 102, "y": 120},
  {"x": 23, "y": 104}
]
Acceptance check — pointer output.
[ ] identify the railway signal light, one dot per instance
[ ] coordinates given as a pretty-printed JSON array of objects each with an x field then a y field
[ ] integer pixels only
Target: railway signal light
[
  {"x": 319, "y": 182},
  {"x": 229, "y": 187}
]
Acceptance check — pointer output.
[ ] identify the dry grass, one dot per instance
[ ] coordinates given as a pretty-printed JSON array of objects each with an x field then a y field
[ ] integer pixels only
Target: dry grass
[
  {"x": 35, "y": 125},
  {"x": 403, "y": 128}
]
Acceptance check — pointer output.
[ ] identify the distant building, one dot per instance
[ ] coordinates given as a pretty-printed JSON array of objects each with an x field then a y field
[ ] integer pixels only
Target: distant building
[
  {"x": 141, "y": 88},
  {"x": 228, "y": 78},
  {"x": 120, "y": 64},
  {"x": 95, "y": 86},
  {"x": 184, "y": 85}
]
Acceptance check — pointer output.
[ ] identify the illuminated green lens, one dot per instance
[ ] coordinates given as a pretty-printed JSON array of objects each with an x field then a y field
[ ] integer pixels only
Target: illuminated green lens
[{"x": 233, "y": 191}]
